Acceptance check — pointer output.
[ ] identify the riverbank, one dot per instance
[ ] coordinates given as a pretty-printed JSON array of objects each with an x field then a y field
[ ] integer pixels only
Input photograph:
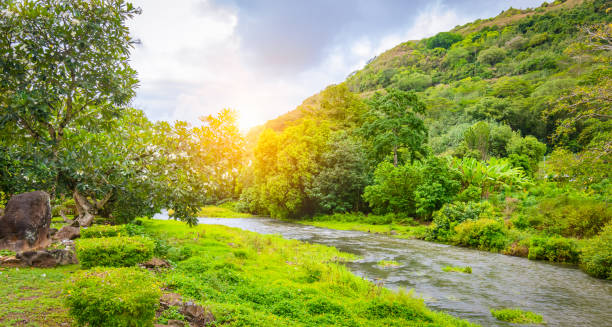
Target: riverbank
[
  {"x": 497, "y": 236},
  {"x": 243, "y": 278}
]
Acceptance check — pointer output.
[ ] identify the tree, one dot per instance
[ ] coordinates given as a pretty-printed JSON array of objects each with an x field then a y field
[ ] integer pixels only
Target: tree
[
  {"x": 439, "y": 185},
  {"x": 478, "y": 137},
  {"x": 528, "y": 147},
  {"x": 393, "y": 123},
  {"x": 393, "y": 189},
  {"x": 338, "y": 105},
  {"x": 220, "y": 146},
  {"x": 443, "y": 40},
  {"x": 343, "y": 175},
  {"x": 285, "y": 165},
  {"x": 65, "y": 65}
]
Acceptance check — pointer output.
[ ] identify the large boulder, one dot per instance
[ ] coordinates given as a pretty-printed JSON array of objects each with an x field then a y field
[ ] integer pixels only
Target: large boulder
[{"x": 25, "y": 223}]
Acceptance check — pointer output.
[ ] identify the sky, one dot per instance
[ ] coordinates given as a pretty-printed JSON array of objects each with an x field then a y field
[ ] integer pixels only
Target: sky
[{"x": 262, "y": 58}]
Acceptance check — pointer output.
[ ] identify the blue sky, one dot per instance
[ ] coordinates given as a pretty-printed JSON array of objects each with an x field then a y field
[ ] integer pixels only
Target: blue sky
[{"x": 264, "y": 57}]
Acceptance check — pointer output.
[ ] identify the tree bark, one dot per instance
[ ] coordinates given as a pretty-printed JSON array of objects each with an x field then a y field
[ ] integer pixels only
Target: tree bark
[
  {"x": 395, "y": 156},
  {"x": 85, "y": 209}
]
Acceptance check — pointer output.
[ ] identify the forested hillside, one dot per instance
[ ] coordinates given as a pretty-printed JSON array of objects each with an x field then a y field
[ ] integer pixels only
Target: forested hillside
[{"x": 497, "y": 131}]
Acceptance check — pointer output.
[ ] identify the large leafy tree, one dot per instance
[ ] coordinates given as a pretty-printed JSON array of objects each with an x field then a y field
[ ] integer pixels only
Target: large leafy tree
[
  {"x": 393, "y": 123},
  {"x": 343, "y": 175},
  {"x": 64, "y": 64},
  {"x": 220, "y": 147}
]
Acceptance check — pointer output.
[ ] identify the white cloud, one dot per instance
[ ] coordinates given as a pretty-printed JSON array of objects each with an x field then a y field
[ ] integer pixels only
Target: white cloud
[{"x": 191, "y": 62}]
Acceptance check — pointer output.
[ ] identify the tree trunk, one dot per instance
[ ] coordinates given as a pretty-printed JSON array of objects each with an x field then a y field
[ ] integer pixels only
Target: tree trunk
[
  {"x": 395, "y": 156},
  {"x": 85, "y": 210}
]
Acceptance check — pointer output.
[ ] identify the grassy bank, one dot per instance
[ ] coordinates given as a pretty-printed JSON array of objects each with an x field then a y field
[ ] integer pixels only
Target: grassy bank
[
  {"x": 225, "y": 210},
  {"x": 487, "y": 233},
  {"x": 244, "y": 278}
]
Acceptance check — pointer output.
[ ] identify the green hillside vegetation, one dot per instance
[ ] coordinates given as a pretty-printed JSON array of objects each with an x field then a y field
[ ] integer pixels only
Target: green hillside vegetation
[{"x": 496, "y": 134}]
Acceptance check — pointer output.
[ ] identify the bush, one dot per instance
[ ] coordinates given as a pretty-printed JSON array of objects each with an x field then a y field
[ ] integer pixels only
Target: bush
[
  {"x": 597, "y": 255},
  {"x": 570, "y": 216},
  {"x": 114, "y": 251},
  {"x": 491, "y": 56},
  {"x": 97, "y": 231},
  {"x": 484, "y": 234},
  {"x": 445, "y": 220},
  {"x": 113, "y": 297},
  {"x": 554, "y": 249}
]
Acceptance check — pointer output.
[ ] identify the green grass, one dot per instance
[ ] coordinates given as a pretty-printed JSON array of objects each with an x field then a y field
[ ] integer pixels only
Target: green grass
[
  {"x": 225, "y": 210},
  {"x": 395, "y": 230},
  {"x": 248, "y": 279},
  {"x": 388, "y": 264},
  {"x": 33, "y": 297},
  {"x": 465, "y": 270},
  {"x": 517, "y": 316},
  {"x": 244, "y": 278}
]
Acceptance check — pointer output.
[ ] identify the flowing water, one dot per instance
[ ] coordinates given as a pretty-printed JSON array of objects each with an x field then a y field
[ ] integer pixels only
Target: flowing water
[{"x": 564, "y": 295}]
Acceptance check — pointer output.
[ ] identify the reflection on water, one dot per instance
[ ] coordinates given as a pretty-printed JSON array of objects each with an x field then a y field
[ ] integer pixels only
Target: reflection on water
[{"x": 565, "y": 296}]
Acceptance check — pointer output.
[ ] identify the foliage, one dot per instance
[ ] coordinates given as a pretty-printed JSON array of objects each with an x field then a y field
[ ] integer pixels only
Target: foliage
[
  {"x": 97, "y": 231},
  {"x": 492, "y": 55},
  {"x": 443, "y": 40},
  {"x": 393, "y": 190},
  {"x": 219, "y": 146},
  {"x": 555, "y": 249},
  {"x": 570, "y": 216},
  {"x": 114, "y": 251},
  {"x": 493, "y": 176},
  {"x": 439, "y": 185},
  {"x": 285, "y": 165},
  {"x": 453, "y": 214},
  {"x": 113, "y": 297},
  {"x": 393, "y": 124},
  {"x": 342, "y": 176},
  {"x": 529, "y": 148},
  {"x": 64, "y": 64},
  {"x": 485, "y": 234},
  {"x": 596, "y": 257},
  {"x": 517, "y": 316}
]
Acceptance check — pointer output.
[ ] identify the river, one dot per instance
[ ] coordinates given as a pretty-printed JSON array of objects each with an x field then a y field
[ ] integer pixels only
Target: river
[{"x": 563, "y": 295}]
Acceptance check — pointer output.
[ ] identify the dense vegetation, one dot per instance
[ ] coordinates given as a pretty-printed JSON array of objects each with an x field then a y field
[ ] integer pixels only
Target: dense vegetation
[
  {"x": 495, "y": 135},
  {"x": 498, "y": 132}
]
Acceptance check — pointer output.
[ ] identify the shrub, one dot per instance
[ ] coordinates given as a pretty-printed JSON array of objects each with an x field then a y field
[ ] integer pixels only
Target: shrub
[
  {"x": 113, "y": 297},
  {"x": 114, "y": 251},
  {"x": 491, "y": 56},
  {"x": 597, "y": 255},
  {"x": 97, "y": 231},
  {"x": 453, "y": 214},
  {"x": 485, "y": 234},
  {"x": 517, "y": 316},
  {"x": 570, "y": 216},
  {"x": 554, "y": 249}
]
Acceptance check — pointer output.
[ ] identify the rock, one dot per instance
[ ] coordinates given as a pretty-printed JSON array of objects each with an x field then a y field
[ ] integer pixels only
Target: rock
[
  {"x": 155, "y": 263},
  {"x": 10, "y": 261},
  {"x": 68, "y": 233},
  {"x": 171, "y": 299},
  {"x": 52, "y": 231},
  {"x": 25, "y": 223},
  {"x": 176, "y": 323},
  {"x": 64, "y": 257},
  {"x": 40, "y": 259},
  {"x": 392, "y": 232},
  {"x": 196, "y": 314},
  {"x": 45, "y": 259}
]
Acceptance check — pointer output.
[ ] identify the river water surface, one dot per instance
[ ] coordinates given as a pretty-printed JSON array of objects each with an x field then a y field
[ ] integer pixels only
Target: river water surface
[{"x": 564, "y": 295}]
